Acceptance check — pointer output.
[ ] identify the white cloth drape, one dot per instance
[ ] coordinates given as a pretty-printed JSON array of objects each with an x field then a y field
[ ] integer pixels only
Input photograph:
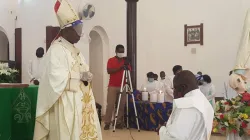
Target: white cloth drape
[
  {"x": 192, "y": 112},
  {"x": 243, "y": 55},
  {"x": 209, "y": 91},
  {"x": 152, "y": 86},
  {"x": 169, "y": 96},
  {"x": 236, "y": 136},
  {"x": 229, "y": 93},
  {"x": 194, "y": 124},
  {"x": 35, "y": 68}
]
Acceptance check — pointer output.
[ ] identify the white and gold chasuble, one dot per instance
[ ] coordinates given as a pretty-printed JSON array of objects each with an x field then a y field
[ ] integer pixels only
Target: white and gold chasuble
[{"x": 65, "y": 107}]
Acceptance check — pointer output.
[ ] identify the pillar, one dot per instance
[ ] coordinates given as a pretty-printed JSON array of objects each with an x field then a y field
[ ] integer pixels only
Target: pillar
[{"x": 132, "y": 38}]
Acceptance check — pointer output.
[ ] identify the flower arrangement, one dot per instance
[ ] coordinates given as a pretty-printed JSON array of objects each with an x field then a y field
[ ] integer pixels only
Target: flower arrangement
[
  {"x": 7, "y": 75},
  {"x": 232, "y": 116}
]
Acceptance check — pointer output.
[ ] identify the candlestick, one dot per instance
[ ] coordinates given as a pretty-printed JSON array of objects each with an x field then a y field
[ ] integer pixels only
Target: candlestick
[
  {"x": 160, "y": 97},
  {"x": 153, "y": 97},
  {"x": 144, "y": 96}
]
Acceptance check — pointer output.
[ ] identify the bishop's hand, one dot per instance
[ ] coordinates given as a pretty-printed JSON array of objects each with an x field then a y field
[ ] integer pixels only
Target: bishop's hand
[{"x": 87, "y": 76}]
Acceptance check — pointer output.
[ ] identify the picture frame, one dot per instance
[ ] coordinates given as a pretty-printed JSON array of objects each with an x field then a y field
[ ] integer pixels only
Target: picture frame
[{"x": 193, "y": 34}]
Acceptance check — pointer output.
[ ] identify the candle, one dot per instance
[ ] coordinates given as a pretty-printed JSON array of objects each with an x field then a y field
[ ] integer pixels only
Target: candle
[
  {"x": 144, "y": 96},
  {"x": 153, "y": 97},
  {"x": 144, "y": 89},
  {"x": 160, "y": 97}
]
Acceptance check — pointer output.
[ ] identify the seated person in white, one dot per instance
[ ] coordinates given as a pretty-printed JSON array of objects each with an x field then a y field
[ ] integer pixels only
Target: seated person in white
[
  {"x": 167, "y": 86},
  {"x": 208, "y": 89},
  {"x": 192, "y": 115},
  {"x": 152, "y": 84}
]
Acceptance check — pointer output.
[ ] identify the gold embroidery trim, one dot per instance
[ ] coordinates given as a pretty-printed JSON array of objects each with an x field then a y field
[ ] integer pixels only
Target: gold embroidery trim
[{"x": 89, "y": 128}]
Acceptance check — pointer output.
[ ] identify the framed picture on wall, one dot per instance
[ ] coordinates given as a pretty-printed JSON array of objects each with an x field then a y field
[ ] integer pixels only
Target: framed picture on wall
[{"x": 193, "y": 34}]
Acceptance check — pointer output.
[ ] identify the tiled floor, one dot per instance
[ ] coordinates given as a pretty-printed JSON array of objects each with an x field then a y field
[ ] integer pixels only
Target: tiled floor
[{"x": 143, "y": 135}]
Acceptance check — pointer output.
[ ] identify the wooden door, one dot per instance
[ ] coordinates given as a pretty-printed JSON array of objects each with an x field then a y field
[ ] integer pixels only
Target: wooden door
[
  {"x": 8, "y": 51},
  {"x": 51, "y": 34},
  {"x": 18, "y": 52}
]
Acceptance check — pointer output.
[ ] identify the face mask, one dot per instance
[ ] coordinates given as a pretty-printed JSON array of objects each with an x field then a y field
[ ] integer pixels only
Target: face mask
[
  {"x": 78, "y": 29},
  {"x": 120, "y": 55},
  {"x": 151, "y": 80}
]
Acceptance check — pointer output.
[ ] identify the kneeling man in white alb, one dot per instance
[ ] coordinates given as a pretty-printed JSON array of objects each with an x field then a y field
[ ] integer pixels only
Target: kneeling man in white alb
[{"x": 192, "y": 115}]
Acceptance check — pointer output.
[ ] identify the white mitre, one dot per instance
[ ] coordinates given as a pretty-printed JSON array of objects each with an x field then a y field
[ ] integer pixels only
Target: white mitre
[{"x": 66, "y": 14}]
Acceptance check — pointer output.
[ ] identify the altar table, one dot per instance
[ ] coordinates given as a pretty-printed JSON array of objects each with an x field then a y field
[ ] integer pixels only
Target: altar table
[
  {"x": 150, "y": 115},
  {"x": 17, "y": 112}
]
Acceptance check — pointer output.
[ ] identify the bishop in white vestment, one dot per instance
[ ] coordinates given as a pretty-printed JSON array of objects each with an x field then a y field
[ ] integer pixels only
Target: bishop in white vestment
[
  {"x": 192, "y": 115},
  {"x": 65, "y": 105}
]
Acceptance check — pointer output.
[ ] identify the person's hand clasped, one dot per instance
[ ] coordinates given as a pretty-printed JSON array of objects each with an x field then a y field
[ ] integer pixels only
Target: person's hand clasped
[
  {"x": 158, "y": 129},
  {"x": 36, "y": 82},
  {"x": 122, "y": 67}
]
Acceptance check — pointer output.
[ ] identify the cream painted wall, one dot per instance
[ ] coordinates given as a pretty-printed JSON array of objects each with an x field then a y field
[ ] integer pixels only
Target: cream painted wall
[
  {"x": 35, "y": 15},
  {"x": 96, "y": 67},
  {"x": 3, "y": 46},
  {"x": 160, "y": 32},
  {"x": 161, "y": 36},
  {"x": 95, "y": 52},
  {"x": 7, "y": 23}
]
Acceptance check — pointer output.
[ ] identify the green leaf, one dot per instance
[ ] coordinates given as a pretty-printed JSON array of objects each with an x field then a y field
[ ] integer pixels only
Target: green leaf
[
  {"x": 245, "y": 121},
  {"x": 241, "y": 133},
  {"x": 247, "y": 109}
]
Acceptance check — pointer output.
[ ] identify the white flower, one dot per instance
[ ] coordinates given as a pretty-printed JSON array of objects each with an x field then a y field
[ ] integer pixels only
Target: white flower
[
  {"x": 4, "y": 66},
  {"x": 3, "y": 71},
  {"x": 227, "y": 107},
  {"x": 13, "y": 70},
  {"x": 217, "y": 107},
  {"x": 226, "y": 124},
  {"x": 223, "y": 101}
]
